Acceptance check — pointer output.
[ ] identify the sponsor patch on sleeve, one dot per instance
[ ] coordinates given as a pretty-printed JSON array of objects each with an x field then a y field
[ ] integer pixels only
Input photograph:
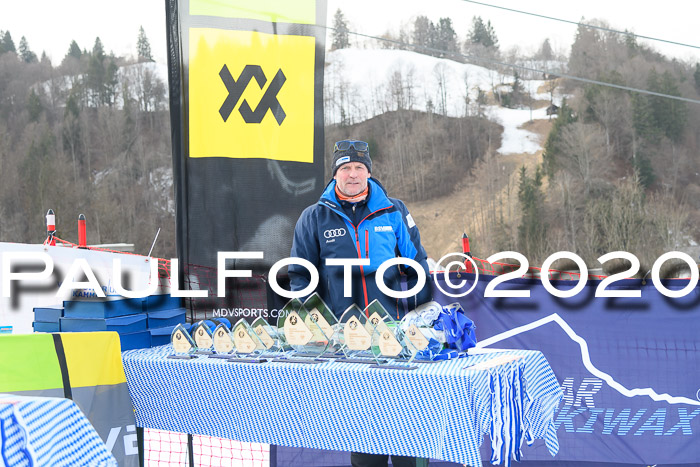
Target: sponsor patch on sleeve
[{"x": 411, "y": 222}]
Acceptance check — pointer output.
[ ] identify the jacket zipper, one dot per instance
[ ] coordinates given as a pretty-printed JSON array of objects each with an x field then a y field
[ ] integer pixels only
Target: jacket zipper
[
  {"x": 362, "y": 271},
  {"x": 359, "y": 252},
  {"x": 366, "y": 243}
]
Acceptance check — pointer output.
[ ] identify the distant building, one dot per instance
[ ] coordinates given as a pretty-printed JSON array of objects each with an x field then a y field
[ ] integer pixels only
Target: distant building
[{"x": 553, "y": 109}]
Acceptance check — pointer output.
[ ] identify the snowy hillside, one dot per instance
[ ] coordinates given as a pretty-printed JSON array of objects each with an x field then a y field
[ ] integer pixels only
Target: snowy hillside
[{"x": 362, "y": 83}]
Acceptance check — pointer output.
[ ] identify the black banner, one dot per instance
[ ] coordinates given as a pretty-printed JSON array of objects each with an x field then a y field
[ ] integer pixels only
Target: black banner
[{"x": 246, "y": 104}]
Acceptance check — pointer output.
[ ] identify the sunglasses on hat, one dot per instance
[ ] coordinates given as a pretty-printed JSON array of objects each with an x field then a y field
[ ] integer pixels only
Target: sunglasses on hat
[{"x": 344, "y": 145}]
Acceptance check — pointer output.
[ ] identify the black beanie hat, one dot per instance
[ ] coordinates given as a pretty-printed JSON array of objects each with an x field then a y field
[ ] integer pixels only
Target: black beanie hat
[{"x": 351, "y": 155}]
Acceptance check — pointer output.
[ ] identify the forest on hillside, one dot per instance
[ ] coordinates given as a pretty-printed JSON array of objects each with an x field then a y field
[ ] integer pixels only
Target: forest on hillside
[
  {"x": 89, "y": 135},
  {"x": 620, "y": 168},
  {"x": 619, "y": 172}
]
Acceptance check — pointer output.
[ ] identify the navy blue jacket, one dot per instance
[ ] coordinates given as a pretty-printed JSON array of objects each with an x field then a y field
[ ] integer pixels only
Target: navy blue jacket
[{"x": 324, "y": 230}]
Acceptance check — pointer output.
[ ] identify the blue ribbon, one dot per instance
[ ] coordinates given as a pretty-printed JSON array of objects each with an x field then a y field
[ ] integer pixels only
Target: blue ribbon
[
  {"x": 431, "y": 351},
  {"x": 459, "y": 330},
  {"x": 435, "y": 351}
]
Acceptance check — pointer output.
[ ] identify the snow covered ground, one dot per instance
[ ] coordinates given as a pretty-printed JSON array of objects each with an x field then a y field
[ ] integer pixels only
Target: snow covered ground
[
  {"x": 516, "y": 140},
  {"x": 363, "y": 83}
]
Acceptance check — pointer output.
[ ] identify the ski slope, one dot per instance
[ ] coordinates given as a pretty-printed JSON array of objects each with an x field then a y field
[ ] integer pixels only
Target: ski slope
[{"x": 363, "y": 83}]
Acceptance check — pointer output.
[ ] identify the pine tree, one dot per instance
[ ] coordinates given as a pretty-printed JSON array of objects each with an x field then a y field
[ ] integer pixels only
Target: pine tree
[
  {"x": 96, "y": 74},
  {"x": 7, "y": 44},
  {"x": 644, "y": 170},
  {"x": 25, "y": 53},
  {"x": 482, "y": 33},
  {"x": 340, "y": 31},
  {"x": 432, "y": 39},
  {"x": 34, "y": 106},
  {"x": 492, "y": 40},
  {"x": 446, "y": 37},
  {"x": 670, "y": 114},
  {"x": 74, "y": 50},
  {"x": 422, "y": 31},
  {"x": 516, "y": 95},
  {"x": 654, "y": 116},
  {"x": 643, "y": 118},
  {"x": 552, "y": 147},
  {"x": 111, "y": 85},
  {"x": 98, "y": 50},
  {"x": 143, "y": 47},
  {"x": 631, "y": 43},
  {"x": 532, "y": 229},
  {"x": 545, "y": 52}
]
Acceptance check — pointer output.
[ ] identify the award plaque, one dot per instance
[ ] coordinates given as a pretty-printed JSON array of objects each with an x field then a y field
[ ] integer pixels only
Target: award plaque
[
  {"x": 182, "y": 343},
  {"x": 267, "y": 335},
  {"x": 384, "y": 343},
  {"x": 390, "y": 342},
  {"x": 203, "y": 338},
  {"x": 323, "y": 325},
  {"x": 356, "y": 341},
  {"x": 417, "y": 330},
  {"x": 247, "y": 344},
  {"x": 223, "y": 343},
  {"x": 420, "y": 333},
  {"x": 295, "y": 333},
  {"x": 416, "y": 336},
  {"x": 377, "y": 316}
]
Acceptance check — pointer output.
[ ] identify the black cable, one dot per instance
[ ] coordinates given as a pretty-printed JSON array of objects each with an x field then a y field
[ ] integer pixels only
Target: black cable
[
  {"x": 578, "y": 23},
  {"x": 520, "y": 67}
]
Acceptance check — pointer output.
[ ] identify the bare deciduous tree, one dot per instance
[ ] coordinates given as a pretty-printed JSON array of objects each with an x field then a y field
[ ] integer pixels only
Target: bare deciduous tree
[{"x": 583, "y": 147}]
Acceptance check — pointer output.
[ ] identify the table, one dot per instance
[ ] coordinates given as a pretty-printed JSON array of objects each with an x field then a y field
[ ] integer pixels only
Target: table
[
  {"x": 440, "y": 410},
  {"x": 48, "y": 431}
]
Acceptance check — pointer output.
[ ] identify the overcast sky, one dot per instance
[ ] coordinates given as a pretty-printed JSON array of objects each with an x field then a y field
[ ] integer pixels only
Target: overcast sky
[{"x": 50, "y": 25}]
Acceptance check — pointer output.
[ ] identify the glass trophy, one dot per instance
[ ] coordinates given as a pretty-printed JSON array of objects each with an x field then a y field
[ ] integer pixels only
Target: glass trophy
[
  {"x": 417, "y": 325},
  {"x": 356, "y": 341},
  {"x": 182, "y": 343},
  {"x": 291, "y": 308},
  {"x": 377, "y": 316},
  {"x": 419, "y": 332},
  {"x": 323, "y": 325},
  {"x": 247, "y": 343},
  {"x": 389, "y": 342},
  {"x": 203, "y": 338},
  {"x": 268, "y": 336},
  {"x": 295, "y": 333},
  {"x": 417, "y": 335},
  {"x": 222, "y": 341}
]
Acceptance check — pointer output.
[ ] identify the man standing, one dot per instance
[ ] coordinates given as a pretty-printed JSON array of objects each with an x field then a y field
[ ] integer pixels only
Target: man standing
[{"x": 356, "y": 219}]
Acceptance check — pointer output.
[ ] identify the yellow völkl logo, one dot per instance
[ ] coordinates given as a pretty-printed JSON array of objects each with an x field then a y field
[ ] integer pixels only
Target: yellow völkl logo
[{"x": 251, "y": 95}]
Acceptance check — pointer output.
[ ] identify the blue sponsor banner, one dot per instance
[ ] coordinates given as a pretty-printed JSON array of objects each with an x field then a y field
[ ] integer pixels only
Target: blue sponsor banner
[{"x": 629, "y": 367}]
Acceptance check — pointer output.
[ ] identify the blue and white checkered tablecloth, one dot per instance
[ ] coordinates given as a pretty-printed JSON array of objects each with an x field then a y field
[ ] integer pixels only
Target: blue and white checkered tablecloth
[
  {"x": 440, "y": 410},
  {"x": 38, "y": 431}
]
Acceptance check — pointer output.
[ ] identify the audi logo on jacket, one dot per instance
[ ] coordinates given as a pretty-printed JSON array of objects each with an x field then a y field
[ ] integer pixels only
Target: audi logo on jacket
[{"x": 384, "y": 229}]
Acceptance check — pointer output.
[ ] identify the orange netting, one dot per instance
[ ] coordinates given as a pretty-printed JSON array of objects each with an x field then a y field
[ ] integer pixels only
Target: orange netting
[
  {"x": 204, "y": 277},
  {"x": 248, "y": 292},
  {"x": 496, "y": 269}
]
